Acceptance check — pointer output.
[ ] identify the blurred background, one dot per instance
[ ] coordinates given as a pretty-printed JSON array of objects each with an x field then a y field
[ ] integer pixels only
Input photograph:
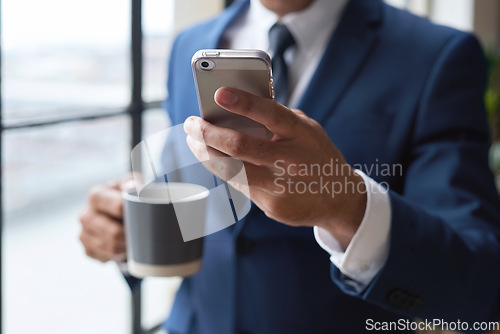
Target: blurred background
[{"x": 67, "y": 103}]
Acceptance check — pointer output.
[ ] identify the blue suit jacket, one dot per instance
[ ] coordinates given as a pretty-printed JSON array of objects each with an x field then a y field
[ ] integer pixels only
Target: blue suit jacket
[{"x": 391, "y": 88}]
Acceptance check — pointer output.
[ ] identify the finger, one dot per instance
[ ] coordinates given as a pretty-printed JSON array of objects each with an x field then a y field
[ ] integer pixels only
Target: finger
[
  {"x": 218, "y": 163},
  {"x": 231, "y": 142},
  {"x": 258, "y": 196},
  {"x": 260, "y": 183},
  {"x": 201, "y": 151},
  {"x": 104, "y": 227},
  {"x": 94, "y": 247},
  {"x": 299, "y": 113},
  {"x": 90, "y": 253},
  {"x": 109, "y": 233},
  {"x": 98, "y": 249},
  {"x": 90, "y": 249},
  {"x": 255, "y": 177},
  {"x": 126, "y": 185},
  {"x": 106, "y": 200},
  {"x": 108, "y": 243},
  {"x": 253, "y": 193},
  {"x": 276, "y": 117},
  {"x": 232, "y": 170}
]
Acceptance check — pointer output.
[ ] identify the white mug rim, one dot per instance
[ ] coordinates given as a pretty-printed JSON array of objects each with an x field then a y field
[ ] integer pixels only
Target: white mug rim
[{"x": 198, "y": 193}]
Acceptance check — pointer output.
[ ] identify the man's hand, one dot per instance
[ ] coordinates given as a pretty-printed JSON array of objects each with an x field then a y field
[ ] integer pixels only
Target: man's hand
[
  {"x": 299, "y": 177},
  {"x": 102, "y": 234}
]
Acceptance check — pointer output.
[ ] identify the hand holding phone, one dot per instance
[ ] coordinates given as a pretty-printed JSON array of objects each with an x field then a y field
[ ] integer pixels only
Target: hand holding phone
[{"x": 248, "y": 70}]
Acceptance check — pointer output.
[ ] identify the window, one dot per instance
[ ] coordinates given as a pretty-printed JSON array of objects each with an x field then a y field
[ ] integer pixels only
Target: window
[
  {"x": 71, "y": 108},
  {"x": 64, "y": 57},
  {"x": 455, "y": 13}
]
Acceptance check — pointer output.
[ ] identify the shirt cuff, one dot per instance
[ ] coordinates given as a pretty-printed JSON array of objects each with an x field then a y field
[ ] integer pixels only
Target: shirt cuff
[{"x": 369, "y": 248}]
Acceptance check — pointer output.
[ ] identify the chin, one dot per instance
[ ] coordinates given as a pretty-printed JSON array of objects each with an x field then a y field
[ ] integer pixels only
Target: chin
[{"x": 283, "y": 7}]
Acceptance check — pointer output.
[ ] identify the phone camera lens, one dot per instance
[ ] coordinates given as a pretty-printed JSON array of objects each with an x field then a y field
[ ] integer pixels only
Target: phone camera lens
[{"x": 206, "y": 65}]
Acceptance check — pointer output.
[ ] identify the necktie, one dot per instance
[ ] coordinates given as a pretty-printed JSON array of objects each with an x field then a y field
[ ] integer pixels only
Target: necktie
[{"x": 280, "y": 39}]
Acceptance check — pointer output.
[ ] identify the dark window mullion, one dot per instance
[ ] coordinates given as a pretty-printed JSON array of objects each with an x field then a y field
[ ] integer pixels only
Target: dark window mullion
[
  {"x": 136, "y": 103},
  {"x": 136, "y": 109},
  {"x": 30, "y": 123}
]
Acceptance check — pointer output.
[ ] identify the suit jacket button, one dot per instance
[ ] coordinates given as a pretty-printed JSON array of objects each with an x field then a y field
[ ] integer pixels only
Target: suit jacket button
[
  {"x": 415, "y": 304},
  {"x": 395, "y": 297},
  {"x": 404, "y": 300},
  {"x": 244, "y": 246}
]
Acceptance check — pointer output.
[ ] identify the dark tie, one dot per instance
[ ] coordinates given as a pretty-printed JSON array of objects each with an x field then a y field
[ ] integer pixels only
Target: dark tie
[{"x": 280, "y": 39}]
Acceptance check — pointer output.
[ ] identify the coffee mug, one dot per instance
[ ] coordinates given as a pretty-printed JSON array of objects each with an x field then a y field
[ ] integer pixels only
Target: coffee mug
[{"x": 155, "y": 245}]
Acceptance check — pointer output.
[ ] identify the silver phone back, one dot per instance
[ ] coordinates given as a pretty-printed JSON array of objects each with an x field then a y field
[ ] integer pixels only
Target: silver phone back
[{"x": 248, "y": 70}]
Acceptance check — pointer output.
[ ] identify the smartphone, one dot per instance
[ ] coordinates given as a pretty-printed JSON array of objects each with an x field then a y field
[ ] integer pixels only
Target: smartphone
[{"x": 248, "y": 70}]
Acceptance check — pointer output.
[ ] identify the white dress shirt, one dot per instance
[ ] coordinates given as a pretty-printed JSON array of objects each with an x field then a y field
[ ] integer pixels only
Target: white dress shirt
[{"x": 312, "y": 29}]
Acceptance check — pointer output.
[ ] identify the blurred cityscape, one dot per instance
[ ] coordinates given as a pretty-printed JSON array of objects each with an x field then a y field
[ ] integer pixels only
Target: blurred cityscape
[
  {"x": 70, "y": 82},
  {"x": 60, "y": 59}
]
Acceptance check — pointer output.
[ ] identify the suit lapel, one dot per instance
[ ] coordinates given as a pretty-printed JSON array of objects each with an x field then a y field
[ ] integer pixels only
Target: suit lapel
[{"x": 347, "y": 51}]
